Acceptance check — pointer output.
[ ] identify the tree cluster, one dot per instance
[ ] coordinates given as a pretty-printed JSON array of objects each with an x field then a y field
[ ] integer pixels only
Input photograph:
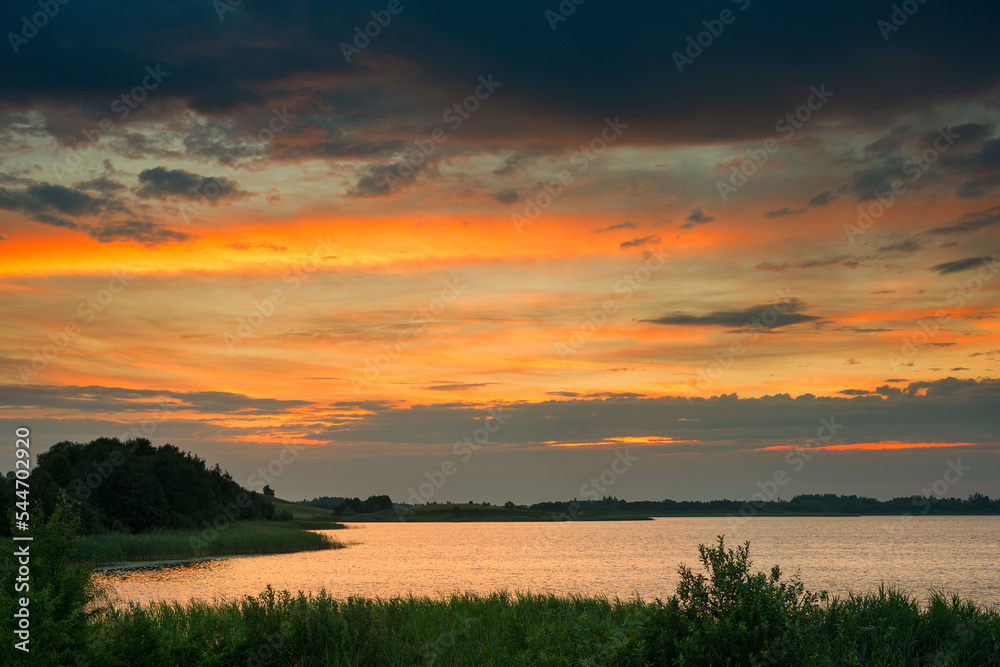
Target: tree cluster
[{"x": 132, "y": 486}]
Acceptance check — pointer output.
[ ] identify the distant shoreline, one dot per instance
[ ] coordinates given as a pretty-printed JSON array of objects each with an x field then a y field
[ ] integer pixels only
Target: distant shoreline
[
  {"x": 365, "y": 519},
  {"x": 455, "y": 513}
]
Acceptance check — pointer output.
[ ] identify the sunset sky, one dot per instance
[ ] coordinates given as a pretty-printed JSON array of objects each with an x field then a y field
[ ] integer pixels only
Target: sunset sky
[{"x": 237, "y": 227}]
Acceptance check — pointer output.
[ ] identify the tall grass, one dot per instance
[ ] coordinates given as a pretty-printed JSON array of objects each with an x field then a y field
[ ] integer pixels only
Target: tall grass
[
  {"x": 731, "y": 616},
  {"x": 239, "y": 538}
]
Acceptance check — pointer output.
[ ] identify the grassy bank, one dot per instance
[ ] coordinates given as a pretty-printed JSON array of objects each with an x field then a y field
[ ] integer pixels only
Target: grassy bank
[
  {"x": 239, "y": 538},
  {"x": 729, "y": 615}
]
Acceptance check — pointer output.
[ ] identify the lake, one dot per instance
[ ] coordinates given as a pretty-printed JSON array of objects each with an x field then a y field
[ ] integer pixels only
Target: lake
[{"x": 612, "y": 558}]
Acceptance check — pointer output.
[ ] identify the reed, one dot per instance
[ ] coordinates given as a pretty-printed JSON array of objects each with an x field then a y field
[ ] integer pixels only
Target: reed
[
  {"x": 731, "y": 616},
  {"x": 239, "y": 538}
]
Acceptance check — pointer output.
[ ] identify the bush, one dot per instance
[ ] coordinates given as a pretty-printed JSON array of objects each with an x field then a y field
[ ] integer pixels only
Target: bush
[
  {"x": 60, "y": 592},
  {"x": 734, "y": 616}
]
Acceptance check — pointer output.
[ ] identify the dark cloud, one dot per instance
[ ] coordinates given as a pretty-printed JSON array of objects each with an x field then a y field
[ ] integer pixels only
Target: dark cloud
[
  {"x": 968, "y": 155},
  {"x": 822, "y": 199},
  {"x": 977, "y": 187},
  {"x": 889, "y": 143},
  {"x": 771, "y": 266},
  {"x": 867, "y": 183},
  {"x": 147, "y": 233},
  {"x": 988, "y": 156},
  {"x": 966, "y": 133},
  {"x": 620, "y": 225},
  {"x": 506, "y": 196},
  {"x": 101, "y": 184},
  {"x": 948, "y": 410},
  {"x": 383, "y": 180},
  {"x": 97, "y": 399},
  {"x": 163, "y": 183},
  {"x": 45, "y": 197},
  {"x": 906, "y": 247},
  {"x": 65, "y": 200},
  {"x": 970, "y": 222},
  {"x": 639, "y": 242},
  {"x": 216, "y": 67},
  {"x": 846, "y": 260},
  {"x": 697, "y": 217},
  {"x": 371, "y": 406},
  {"x": 47, "y": 204},
  {"x": 973, "y": 156},
  {"x": 55, "y": 221},
  {"x": 782, "y": 314},
  {"x": 222, "y": 99},
  {"x": 519, "y": 160},
  {"x": 781, "y": 212},
  {"x": 982, "y": 158},
  {"x": 960, "y": 265}
]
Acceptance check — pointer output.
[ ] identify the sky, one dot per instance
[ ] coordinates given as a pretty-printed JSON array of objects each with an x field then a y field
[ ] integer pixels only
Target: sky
[{"x": 452, "y": 252}]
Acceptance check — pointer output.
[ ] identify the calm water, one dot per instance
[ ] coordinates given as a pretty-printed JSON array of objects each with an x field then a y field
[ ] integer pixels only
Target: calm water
[{"x": 613, "y": 558}]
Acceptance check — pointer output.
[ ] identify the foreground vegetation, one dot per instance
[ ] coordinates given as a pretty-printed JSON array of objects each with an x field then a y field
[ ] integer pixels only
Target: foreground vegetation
[
  {"x": 727, "y": 615},
  {"x": 734, "y": 618}
]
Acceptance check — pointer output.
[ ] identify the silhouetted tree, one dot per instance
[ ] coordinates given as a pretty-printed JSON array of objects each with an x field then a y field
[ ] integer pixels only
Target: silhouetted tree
[{"x": 133, "y": 486}]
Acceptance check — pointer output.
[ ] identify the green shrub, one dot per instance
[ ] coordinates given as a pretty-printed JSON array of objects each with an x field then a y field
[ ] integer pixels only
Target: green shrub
[
  {"x": 734, "y": 616},
  {"x": 60, "y": 592}
]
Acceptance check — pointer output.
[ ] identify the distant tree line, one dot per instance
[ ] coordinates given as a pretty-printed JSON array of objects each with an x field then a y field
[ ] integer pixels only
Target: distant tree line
[
  {"x": 827, "y": 503},
  {"x": 347, "y": 506},
  {"x": 133, "y": 487}
]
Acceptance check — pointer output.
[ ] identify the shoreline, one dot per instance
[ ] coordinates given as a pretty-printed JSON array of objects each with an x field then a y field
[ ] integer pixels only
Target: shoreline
[{"x": 251, "y": 538}]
